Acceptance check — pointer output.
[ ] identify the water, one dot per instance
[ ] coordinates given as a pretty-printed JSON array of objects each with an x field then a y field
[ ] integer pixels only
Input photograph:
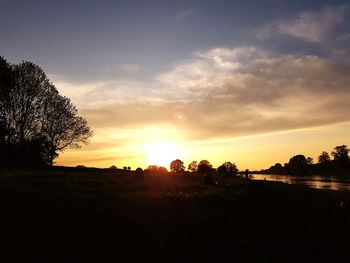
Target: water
[{"x": 315, "y": 181}]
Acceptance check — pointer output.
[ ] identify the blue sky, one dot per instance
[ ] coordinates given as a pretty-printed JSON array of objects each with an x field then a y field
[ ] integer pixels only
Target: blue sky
[
  {"x": 189, "y": 72},
  {"x": 79, "y": 38}
]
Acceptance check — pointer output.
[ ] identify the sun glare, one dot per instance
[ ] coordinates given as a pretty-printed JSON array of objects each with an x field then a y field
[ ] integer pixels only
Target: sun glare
[{"x": 162, "y": 153}]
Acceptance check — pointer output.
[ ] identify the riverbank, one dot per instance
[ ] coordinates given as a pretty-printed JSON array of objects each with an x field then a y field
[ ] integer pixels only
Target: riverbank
[
  {"x": 339, "y": 183},
  {"x": 100, "y": 215}
]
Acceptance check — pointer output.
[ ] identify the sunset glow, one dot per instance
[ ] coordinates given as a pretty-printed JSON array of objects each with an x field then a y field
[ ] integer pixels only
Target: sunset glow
[
  {"x": 249, "y": 82},
  {"x": 162, "y": 153}
]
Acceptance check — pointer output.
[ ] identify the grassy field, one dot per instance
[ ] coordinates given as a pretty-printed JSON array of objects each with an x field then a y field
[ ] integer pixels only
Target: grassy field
[{"x": 68, "y": 214}]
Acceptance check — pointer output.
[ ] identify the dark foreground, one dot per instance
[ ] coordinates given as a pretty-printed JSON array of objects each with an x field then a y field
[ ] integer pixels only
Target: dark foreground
[{"x": 77, "y": 215}]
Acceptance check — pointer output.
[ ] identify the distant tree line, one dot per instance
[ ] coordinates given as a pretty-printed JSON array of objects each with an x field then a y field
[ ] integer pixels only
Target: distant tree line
[
  {"x": 300, "y": 165},
  {"x": 36, "y": 122},
  {"x": 202, "y": 167}
]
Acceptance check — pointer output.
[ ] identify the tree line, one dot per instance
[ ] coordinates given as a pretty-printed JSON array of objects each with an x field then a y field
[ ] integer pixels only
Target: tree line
[
  {"x": 36, "y": 122},
  {"x": 301, "y": 165},
  {"x": 177, "y": 167}
]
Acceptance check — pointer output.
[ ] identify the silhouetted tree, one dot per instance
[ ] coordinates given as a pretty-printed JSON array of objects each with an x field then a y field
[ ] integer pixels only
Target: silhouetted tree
[
  {"x": 6, "y": 84},
  {"x": 341, "y": 159},
  {"x": 228, "y": 168},
  {"x": 222, "y": 170},
  {"x": 62, "y": 126},
  {"x": 177, "y": 166},
  {"x": 298, "y": 165},
  {"x": 324, "y": 158},
  {"x": 231, "y": 168},
  {"x": 193, "y": 166},
  {"x": 113, "y": 167},
  {"x": 340, "y": 153},
  {"x": 204, "y": 166},
  {"x": 32, "y": 112},
  {"x": 324, "y": 164},
  {"x": 277, "y": 169}
]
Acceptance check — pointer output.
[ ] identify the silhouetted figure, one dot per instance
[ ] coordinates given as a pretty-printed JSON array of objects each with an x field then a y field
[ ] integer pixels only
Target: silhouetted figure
[{"x": 246, "y": 173}]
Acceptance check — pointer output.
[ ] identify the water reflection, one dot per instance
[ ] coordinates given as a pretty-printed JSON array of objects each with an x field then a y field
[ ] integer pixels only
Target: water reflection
[{"x": 315, "y": 181}]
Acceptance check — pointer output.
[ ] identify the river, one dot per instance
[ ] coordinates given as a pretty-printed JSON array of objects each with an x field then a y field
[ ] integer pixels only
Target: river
[{"x": 315, "y": 181}]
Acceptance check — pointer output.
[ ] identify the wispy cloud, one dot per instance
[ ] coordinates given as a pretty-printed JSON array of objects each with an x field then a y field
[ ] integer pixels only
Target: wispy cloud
[{"x": 310, "y": 26}]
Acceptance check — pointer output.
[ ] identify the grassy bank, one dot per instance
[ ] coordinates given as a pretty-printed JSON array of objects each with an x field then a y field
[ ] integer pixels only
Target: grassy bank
[{"x": 91, "y": 214}]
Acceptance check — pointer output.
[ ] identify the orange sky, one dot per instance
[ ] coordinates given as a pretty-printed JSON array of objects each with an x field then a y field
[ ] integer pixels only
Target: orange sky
[{"x": 253, "y": 152}]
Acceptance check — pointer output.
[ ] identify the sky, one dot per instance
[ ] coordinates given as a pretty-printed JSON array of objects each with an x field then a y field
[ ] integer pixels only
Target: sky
[{"x": 251, "y": 82}]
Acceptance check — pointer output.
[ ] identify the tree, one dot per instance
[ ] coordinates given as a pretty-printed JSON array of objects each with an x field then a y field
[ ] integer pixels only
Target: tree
[
  {"x": 6, "y": 84},
  {"x": 340, "y": 153},
  {"x": 222, "y": 170},
  {"x": 231, "y": 168},
  {"x": 33, "y": 113},
  {"x": 341, "y": 159},
  {"x": 204, "y": 166},
  {"x": 192, "y": 167},
  {"x": 298, "y": 165},
  {"x": 228, "y": 168},
  {"x": 61, "y": 125},
  {"x": 324, "y": 163},
  {"x": 276, "y": 169},
  {"x": 177, "y": 166},
  {"x": 324, "y": 158}
]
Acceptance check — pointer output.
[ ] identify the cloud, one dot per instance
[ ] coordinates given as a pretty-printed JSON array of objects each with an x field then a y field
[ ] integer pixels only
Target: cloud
[
  {"x": 246, "y": 90},
  {"x": 220, "y": 93},
  {"x": 309, "y": 26},
  {"x": 184, "y": 14}
]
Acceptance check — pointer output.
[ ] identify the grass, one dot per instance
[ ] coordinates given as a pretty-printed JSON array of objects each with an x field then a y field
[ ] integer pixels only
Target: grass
[{"x": 70, "y": 214}]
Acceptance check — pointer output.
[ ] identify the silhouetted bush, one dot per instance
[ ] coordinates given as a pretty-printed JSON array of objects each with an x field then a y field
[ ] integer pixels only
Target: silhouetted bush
[{"x": 139, "y": 172}]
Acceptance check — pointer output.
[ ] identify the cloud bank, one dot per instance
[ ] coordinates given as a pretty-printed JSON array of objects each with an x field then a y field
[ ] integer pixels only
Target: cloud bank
[{"x": 225, "y": 92}]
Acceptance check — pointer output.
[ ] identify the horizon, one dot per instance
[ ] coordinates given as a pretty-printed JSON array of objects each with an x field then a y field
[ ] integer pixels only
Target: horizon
[{"x": 242, "y": 81}]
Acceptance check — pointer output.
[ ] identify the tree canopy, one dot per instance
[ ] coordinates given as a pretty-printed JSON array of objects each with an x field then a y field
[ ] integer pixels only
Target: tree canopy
[
  {"x": 177, "y": 166},
  {"x": 36, "y": 122},
  {"x": 204, "y": 166}
]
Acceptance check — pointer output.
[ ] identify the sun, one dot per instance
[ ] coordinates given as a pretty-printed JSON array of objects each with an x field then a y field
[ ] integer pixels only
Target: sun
[{"x": 163, "y": 153}]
